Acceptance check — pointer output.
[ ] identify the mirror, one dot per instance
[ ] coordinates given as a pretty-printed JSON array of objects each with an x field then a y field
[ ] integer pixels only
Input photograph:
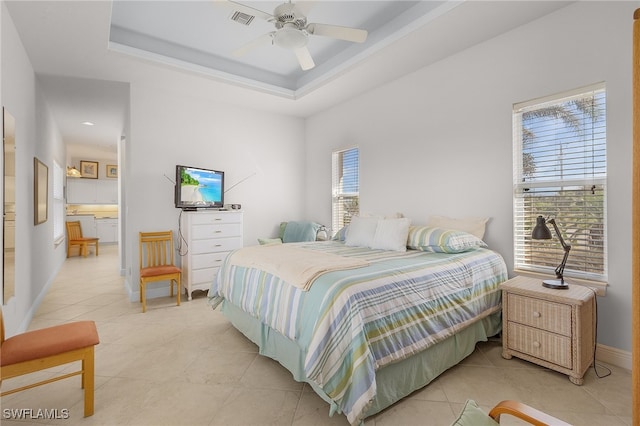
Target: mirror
[{"x": 9, "y": 203}]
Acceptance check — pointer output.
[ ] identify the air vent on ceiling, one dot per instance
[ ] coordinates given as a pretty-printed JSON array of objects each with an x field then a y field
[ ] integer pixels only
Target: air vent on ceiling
[{"x": 242, "y": 18}]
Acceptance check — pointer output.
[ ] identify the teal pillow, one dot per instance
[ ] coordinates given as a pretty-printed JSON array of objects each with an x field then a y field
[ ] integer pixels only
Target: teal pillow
[
  {"x": 283, "y": 226},
  {"x": 472, "y": 415}
]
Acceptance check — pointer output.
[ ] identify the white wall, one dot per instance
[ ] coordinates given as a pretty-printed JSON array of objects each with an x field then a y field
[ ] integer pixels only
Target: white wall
[
  {"x": 37, "y": 259},
  {"x": 438, "y": 141},
  {"x": 169, "y": 127}
]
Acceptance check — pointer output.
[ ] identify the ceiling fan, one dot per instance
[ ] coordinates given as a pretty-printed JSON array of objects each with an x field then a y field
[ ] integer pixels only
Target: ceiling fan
[{"x": 292, "y": 30}]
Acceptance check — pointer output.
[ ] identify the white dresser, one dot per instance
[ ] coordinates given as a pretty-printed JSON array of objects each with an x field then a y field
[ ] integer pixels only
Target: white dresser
[{"x": 208, "y": 237}]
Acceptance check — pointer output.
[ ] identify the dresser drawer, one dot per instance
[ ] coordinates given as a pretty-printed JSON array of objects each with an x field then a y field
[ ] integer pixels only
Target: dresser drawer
[
  {"x": 209, "y": 260},
  {"x": 203, "y": 276},
  {"x": 215, "y": 245},
  {"x": 205, "y": 218},
  {"x": 541, "y": 344},
  {"x": 216, "y": 230},
  {"x": 542, "y": 314}
]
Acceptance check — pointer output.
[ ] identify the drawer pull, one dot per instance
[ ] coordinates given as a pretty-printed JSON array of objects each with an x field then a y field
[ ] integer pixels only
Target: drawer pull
[
  {"x": 536, "y": 314},
  {"x": 218, "y": 232},
  {"x": 536, "y": 344},
  {"x": 218, "y": 245}
]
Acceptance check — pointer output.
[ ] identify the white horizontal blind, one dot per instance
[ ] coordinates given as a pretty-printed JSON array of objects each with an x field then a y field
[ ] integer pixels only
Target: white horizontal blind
[
  {"x": 560, "y": 172},
  {"x": 58, "y": 202},
  {"x": 345, "y": 187}
]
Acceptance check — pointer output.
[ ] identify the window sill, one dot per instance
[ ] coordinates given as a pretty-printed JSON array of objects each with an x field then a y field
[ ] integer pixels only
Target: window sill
[{"x": 600, "y": 287}]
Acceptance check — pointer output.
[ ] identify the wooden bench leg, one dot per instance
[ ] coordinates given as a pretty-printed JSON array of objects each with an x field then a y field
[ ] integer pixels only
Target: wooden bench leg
[{"x": 88, "y": 381}]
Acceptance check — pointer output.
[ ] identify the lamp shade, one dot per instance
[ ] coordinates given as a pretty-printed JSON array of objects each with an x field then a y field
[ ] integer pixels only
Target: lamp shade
[
  {"x": 541, "y": 231},
  {"x": 73, "y": 172}
]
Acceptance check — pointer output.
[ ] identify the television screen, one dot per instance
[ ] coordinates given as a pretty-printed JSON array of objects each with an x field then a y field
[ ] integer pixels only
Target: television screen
[{"x": 199, "y": 188}]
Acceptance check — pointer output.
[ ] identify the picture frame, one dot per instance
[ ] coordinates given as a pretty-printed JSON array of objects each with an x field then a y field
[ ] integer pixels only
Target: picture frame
[
  {"x": 40, "y": 191},
  {"x": 89, "y": 169},
  {"x": 112, "y": 171}
]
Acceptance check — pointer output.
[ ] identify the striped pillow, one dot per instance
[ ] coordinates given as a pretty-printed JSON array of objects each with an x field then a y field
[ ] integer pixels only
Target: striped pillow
[{"x": 441, "y": 240}]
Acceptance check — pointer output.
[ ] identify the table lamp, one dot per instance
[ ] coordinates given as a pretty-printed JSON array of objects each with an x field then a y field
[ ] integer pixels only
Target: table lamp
[{"x": 541, "y": 232}]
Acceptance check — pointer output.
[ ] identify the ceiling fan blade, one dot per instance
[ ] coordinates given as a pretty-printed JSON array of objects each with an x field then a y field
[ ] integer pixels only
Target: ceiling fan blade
[
  {"x": 246, "y": 9},
  {"x": 260, "y": 41},
  {"x": 304, "y": 58},
  {"x": 334, "y": 31}
]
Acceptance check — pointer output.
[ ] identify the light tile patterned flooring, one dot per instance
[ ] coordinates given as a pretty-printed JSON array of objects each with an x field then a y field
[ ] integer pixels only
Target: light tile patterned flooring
[{"x": 185, "y": 365}]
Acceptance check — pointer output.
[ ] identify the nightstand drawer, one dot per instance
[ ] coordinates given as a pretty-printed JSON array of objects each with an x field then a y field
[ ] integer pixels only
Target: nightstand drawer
[
  {"x": 542, "y": 314},
  {"x": 541, "y": 344}
]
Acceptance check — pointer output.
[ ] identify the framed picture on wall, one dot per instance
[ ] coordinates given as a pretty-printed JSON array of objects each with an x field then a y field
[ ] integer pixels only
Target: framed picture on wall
[
  {"x": 112, "y": 171},
  {"x": 40, "y": 191},
  {"x": 89, "y": 169}
]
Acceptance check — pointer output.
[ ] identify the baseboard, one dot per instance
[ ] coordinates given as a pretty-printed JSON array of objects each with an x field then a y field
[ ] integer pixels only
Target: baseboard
[{"x": 613, "y": 356}]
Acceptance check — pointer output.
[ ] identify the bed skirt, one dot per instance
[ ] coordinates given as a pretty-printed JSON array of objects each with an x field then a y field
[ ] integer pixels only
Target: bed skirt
[{"x": 394, "y": 381}]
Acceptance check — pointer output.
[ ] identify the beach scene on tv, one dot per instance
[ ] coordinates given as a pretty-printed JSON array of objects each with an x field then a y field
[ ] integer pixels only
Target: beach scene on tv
[{"x": 200, "y": 187}]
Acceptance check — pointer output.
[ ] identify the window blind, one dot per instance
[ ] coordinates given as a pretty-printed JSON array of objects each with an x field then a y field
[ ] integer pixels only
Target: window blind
[
  {"x": 58, "y": 202},
  {"x": 345, "y": 187},
  {"x": 560, "y": 172}
]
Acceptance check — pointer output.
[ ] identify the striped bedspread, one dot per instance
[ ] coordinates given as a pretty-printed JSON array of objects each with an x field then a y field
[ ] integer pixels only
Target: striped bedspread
[{"x": 350, "y": 323}]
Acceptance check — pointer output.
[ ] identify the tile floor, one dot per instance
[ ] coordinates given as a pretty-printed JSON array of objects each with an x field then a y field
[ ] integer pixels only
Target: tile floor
[{"x": 186, "y": 365}]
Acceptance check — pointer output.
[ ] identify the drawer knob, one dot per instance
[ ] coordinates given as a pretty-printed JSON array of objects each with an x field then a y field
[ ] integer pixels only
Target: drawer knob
[
  {"x": 536, "y": 344},
  {"x": 537, "y": 314}
]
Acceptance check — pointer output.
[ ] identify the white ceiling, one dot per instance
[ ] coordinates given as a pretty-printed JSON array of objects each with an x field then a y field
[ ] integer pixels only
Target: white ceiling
[
  {"x": 87, "y": 52},
  {"x": 201, "y": 34}
]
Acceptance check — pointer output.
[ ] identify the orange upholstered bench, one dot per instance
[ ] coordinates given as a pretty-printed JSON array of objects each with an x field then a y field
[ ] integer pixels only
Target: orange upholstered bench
[{"x": 49, "y": 347}]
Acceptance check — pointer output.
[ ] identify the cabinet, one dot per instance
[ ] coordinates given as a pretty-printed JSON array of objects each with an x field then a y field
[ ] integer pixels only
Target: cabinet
[
  {"x": 107, "y": 230},
  {"x": 552, "y": 328},
  {"x": 92, "y": 191},
  {"x": 208, "y": 236}
]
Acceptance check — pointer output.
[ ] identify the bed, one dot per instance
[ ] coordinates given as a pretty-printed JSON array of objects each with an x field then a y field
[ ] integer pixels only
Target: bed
[{"x": 364, "y": 327}]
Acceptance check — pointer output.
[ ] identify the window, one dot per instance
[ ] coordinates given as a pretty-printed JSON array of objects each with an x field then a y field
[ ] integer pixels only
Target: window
[
  {"x": 560, "y": 171},
  {"x": 58, "y": 203},
  {"x": 345, "y": 187}
]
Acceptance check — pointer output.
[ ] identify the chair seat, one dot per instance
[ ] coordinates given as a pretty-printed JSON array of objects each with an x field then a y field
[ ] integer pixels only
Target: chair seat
[
  {"x": 154, "y": 271},
  {"x": 83, "y": 239},
  {"x": 49, "y": 341}
]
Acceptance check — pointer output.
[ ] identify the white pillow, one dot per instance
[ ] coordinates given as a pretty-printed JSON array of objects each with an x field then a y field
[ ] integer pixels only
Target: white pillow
[
  {"x": 391, "y": 234},
  {"x": 472, "y": 225},
  {"x": 361, "y": 231}
]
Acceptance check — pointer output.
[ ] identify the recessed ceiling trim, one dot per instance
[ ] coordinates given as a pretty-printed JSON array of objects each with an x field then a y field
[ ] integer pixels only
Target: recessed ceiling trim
[
  {"x": 219, "y": 75},
  {"x": 396, "y": 29}
]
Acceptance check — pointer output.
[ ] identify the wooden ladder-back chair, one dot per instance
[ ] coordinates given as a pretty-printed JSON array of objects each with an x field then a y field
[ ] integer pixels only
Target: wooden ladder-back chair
[
  {"x": 50, "y": 347},
  {"x": 75, "y": 238},
  {"x": 156, "y": 263}
]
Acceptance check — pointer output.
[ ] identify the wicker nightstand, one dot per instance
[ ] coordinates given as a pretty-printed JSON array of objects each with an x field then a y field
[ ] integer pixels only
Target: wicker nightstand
[{"x": 552, "y": 328}]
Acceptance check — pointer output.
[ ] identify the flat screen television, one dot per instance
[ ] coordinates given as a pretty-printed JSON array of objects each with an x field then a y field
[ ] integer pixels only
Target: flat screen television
[{"x": 198, "y": 188}]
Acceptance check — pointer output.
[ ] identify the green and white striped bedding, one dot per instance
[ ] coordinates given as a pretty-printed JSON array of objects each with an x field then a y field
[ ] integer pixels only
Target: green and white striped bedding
[{"x": 350, "y": 323}]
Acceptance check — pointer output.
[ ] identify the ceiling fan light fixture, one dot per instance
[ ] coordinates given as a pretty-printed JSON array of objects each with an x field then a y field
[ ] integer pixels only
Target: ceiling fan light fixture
[{"x": 290, "y": 37}]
